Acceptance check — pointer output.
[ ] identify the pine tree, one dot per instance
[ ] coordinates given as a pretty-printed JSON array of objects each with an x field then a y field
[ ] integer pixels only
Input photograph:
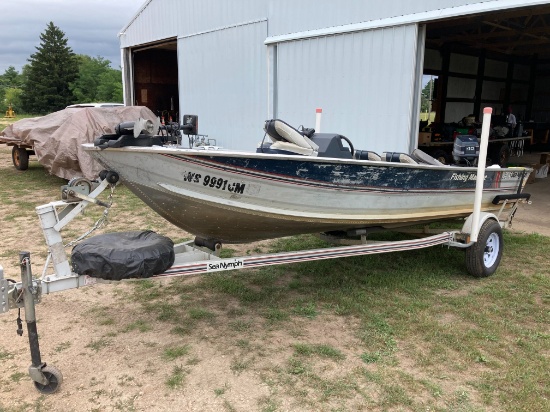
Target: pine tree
[{"x": 50, "y": 71}]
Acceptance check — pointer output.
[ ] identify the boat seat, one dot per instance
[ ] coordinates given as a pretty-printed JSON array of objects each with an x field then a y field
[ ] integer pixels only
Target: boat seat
[
  {"x": 366, "y": 155},
  {"x": 398, "y": 158},
  {"x": 292, "y": 148},
  {"x": 423, "y": 157},
  {"x": 281, "y": 132}
]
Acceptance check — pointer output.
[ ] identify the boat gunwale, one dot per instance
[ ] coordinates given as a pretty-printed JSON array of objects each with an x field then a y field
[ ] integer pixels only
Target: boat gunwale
[{"x": 333, "y": 160}]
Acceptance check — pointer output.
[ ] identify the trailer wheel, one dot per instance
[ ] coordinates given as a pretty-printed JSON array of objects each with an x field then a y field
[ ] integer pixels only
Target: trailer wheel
[
  {"x": 483, "y": 257},
  {"x": 442, "y": 156},
  {"x": 54, "y": 377},
  {"x": 20, "y": 158}
]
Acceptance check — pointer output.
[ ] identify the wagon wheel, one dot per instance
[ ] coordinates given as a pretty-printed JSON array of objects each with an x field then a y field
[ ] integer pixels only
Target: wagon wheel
[
  {"x": 483, "y": 257},
  {"x": 20, "y": 158},
  {"x": 55, "y": 378}
]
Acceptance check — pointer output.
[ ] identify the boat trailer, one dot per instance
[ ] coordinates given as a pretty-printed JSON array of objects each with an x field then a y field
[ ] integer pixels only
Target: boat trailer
[
  {"x": 480, "y": 237},
  {"x": 191, "y": 259}
]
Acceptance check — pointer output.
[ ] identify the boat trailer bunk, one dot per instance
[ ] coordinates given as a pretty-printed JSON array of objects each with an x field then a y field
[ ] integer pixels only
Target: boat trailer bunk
[{"x": 482, "y": 257}]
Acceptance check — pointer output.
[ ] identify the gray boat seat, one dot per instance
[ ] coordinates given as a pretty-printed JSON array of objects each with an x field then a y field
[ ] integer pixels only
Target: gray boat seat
[
  {"x": 289, "y": 139},
  {"x": 423, "y": 157},
  {"x": 398, "y": 158},
  {"x": 366, "y": 155}
]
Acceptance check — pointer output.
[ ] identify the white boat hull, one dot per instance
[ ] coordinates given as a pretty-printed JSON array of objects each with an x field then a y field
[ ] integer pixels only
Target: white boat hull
[{"x": 237, "y": 197}]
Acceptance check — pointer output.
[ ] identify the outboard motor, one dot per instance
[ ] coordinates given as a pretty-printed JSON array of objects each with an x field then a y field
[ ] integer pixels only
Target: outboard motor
[{"x": 466, "y": 149}]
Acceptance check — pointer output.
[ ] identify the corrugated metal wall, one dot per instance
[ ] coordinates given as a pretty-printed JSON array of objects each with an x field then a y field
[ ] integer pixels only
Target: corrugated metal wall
[
  {"x": 158, "y": 20},
  {"x": 222, "y": 78},
  {"x": 363, "y": 82},
  {"x": 162, "y": 19},
  {"x": 289, "y": 16}
]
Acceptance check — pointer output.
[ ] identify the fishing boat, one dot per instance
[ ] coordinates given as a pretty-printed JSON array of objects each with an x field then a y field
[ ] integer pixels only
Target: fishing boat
[{"x": 299, "y": 182}]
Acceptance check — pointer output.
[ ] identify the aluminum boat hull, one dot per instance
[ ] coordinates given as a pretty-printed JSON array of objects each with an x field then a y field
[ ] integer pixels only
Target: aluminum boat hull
[{"x": 238, "y": 197}]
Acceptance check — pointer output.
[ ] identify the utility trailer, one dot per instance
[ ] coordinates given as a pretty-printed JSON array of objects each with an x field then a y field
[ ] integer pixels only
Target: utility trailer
[{"x": 20, "y": 152}]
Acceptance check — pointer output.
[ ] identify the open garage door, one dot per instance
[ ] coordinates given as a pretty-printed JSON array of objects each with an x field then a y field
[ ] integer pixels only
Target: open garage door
[
  {"x": 497, "y": 59},
  {"x": 155, "y": 78}
]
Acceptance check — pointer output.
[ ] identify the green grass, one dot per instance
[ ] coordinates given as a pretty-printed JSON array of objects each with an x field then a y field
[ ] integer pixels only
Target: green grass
[
  {"x": 417, "y": 308},
  {"x": 176, "y": 352}
]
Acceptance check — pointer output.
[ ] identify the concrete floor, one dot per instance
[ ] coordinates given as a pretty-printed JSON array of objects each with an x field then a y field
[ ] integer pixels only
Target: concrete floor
[{"x": 534, "y": 217}]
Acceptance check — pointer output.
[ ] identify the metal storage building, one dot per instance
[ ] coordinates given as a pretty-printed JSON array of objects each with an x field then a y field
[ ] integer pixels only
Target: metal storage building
[{"x": 237, "y": 63}]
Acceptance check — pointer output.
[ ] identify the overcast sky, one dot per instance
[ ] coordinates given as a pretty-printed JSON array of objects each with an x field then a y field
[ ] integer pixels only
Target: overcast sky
[{"x": 91, "y": 27}]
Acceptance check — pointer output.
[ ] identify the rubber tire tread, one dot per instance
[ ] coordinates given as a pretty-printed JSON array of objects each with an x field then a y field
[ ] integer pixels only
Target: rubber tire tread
[
  {"x": 474, "y": 254},
  {"x": 23, "y": 163}
]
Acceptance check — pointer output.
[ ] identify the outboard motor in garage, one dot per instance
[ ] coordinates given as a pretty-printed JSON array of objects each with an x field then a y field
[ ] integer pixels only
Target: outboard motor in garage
[{"x": 466, "y": 150}]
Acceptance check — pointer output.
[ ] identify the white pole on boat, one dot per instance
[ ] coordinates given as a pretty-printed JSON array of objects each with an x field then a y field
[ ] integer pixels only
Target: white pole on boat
[
  {"x": 481, "y": 171},
  {"x": 318, "y": 113}
]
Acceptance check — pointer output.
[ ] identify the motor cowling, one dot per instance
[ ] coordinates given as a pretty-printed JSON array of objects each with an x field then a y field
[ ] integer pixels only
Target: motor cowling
[{"x": 465, "y": 149}]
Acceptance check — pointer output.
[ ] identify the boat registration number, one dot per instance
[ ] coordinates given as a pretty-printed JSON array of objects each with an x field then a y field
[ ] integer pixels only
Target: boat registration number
[{"x": 214, "y": 182}]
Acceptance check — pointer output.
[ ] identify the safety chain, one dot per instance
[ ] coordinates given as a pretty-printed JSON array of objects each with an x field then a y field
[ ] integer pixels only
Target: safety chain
[{"x": 102, "y": 221}]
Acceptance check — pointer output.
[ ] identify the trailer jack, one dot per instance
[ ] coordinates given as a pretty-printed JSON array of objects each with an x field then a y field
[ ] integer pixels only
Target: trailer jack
[{"x": 26, "y": 295}]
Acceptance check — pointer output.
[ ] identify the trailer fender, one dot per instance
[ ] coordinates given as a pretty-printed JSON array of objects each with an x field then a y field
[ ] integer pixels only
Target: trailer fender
[{"x": 483, "y": 216}]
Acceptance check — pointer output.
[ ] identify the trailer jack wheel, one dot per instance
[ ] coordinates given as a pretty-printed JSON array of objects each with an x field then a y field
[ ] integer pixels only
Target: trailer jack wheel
[
  {"x": 483, "y": 257},
  {"x": 51, "y": 377}
]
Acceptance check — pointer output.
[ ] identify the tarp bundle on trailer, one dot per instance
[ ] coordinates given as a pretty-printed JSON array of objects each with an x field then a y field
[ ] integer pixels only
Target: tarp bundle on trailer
[{"x": 57, "y": 137}]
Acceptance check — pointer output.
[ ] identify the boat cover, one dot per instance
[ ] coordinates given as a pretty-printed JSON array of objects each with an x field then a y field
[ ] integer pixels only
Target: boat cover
[
  {"x": 123, "y": 255},
  {"x": 57, "y": 137}
]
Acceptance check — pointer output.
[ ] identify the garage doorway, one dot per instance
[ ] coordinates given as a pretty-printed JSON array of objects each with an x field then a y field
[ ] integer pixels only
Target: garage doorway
[{"x": 155, "y": 78}]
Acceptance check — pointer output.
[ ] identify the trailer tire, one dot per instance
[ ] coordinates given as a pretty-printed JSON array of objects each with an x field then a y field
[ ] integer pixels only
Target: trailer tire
[
  {"x": 20, "y": 158},
  {"x": 483, "y": 257},
  {"x": 442, "y": 156}
]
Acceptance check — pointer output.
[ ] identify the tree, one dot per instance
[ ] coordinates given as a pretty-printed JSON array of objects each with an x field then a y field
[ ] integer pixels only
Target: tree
[
  {"x": 48, "y": 76},
  {"x": 110, "y": 86},
  {"x": 10, "y": 89},
  {"x": 425, "y": 97},
  {"x": 97, "y": 81}
]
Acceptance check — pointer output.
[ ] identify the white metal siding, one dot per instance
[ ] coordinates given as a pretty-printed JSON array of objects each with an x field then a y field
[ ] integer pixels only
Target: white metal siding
[
  {"x": 157, "y": 21},
  {"x": 162, "y": 19},
  {"x": 289, "y": 16},
  {"x": 461, "y": 88},
  {"x": 363, "y": 81},
  {"x": 496, "y": 68},
  {"x": 222, "y": 79}
]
